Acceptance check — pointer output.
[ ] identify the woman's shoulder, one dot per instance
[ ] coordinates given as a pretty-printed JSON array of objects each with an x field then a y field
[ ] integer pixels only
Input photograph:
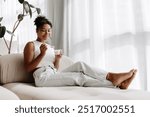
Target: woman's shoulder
[{"x": 29, "y": 44}]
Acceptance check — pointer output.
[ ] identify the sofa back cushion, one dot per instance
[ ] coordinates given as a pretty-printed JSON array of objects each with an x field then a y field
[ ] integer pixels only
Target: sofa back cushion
[{"x": 12, "y": 68}]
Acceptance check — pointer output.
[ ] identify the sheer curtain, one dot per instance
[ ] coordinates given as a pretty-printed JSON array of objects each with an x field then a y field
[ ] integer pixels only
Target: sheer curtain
[{"x": 111, "y": 34}]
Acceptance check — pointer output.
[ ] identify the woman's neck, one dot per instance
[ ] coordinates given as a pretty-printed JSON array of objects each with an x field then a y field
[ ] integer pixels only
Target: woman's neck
[{"x": 42, "y": 41}]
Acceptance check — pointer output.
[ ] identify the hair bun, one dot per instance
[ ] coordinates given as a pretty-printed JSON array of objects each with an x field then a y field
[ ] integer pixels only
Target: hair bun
[{"x": 41, "y": 20}]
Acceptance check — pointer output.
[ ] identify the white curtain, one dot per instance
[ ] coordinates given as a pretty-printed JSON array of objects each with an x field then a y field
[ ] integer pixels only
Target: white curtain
[{"x": 111, "y": 34}]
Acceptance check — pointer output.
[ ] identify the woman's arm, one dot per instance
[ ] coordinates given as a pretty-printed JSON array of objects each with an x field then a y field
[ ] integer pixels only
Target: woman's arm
[{"x": 29, "y": 62}]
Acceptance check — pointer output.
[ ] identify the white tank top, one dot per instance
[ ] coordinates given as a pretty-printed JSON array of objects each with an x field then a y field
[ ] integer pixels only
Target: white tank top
[{"x": 49, "y": 57}]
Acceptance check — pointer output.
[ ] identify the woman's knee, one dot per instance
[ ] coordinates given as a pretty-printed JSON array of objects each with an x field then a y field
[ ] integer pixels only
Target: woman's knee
[{"x": 80, "y": 63}]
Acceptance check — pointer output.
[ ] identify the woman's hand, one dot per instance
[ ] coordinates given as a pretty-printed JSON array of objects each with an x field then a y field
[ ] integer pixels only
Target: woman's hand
[
  {"x": 58, "y": 56},
  {"x": 43, "y": 49}
]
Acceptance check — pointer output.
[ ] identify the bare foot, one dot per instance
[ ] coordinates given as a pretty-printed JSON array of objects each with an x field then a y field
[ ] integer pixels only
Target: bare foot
[
  {"x": 125, "y": 84},
  {"x": 118, "y": 78}
]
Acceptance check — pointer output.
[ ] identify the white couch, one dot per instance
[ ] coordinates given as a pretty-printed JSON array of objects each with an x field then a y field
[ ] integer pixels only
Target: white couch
[
  {"x": 6, "y": 94},
  {"x": 16, "y": 83}
]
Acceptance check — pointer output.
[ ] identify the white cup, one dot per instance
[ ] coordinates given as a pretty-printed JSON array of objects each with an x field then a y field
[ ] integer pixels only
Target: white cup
[{"x": 58, "y": 52}]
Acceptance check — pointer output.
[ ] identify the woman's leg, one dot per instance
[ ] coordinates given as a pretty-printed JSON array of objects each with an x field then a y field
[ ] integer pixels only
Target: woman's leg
[
  {"x": 46, "y": 77},
  {"x": 92, "y": 82},
  {"x": 92, "y": 72},
  {"x": 99, "y": 74}
]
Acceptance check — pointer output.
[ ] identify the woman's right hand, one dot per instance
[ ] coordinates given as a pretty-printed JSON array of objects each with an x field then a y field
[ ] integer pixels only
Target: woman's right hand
[{"x": 43, "y": 49}]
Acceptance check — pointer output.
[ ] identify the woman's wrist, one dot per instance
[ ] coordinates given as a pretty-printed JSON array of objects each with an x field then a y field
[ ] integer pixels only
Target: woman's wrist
[{"x": 41, "y": 54}]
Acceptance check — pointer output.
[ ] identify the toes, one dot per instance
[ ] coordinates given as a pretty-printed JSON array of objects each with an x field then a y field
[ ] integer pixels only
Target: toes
[
  {"x": 131, "y": 71},
  {"x": 135, "y": 71}
]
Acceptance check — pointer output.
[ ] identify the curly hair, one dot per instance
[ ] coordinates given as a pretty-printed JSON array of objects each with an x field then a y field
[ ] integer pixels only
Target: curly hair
[{"x": 40, "y": 21}]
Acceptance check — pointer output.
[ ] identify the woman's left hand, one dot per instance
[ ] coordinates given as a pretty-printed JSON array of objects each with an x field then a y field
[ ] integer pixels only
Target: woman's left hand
[{"x": 58, "y": 56}]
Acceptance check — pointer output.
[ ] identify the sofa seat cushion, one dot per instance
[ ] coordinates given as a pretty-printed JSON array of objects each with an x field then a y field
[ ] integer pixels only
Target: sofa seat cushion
[
  {"x": 29, "y": 91},
  {"x": 6, "y": 94}
]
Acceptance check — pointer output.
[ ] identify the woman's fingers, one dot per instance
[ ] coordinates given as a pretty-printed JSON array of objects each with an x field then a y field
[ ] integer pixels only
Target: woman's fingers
[
  {"x": 43, "y": 49},
  {"x": 43, "y": 46}
]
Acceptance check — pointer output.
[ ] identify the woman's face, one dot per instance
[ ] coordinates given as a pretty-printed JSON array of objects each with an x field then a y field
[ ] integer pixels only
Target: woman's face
[{"x": 44, "y": 32}]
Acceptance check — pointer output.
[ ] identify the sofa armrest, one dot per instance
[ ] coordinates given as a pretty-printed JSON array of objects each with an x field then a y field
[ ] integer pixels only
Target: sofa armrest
[{"x": 6, "y": 94}]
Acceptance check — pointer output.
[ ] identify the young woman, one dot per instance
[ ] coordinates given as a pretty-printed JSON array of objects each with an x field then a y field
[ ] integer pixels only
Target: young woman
[{"x": 40, "y": 59}]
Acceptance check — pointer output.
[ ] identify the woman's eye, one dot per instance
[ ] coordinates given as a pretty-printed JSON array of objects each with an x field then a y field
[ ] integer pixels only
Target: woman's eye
[
  {"x": 45, "y": 31},
  {"x": 42, "y": 30}
]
